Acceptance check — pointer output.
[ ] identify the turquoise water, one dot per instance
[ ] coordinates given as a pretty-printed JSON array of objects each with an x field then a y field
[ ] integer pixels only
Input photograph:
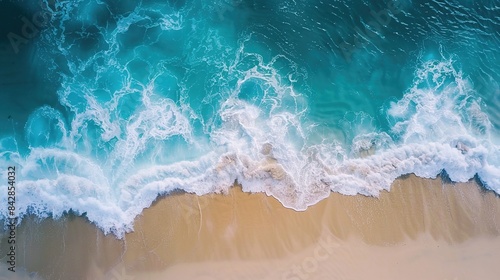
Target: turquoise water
[{"x": 109, "y": 104}]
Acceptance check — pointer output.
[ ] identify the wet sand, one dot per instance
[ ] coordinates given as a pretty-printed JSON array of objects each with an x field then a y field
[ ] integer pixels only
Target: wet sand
[{"x": 421, "y": 229}]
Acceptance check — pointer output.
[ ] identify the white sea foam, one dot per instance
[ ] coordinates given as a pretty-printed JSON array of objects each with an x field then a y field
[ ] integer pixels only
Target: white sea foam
[
  {"x": 437, "y": 127},
  {"x": 432, "y": 127}
]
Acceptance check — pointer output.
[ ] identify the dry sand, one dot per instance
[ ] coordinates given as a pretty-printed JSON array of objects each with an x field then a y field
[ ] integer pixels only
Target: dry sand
[{"x": 421, "y": 229}]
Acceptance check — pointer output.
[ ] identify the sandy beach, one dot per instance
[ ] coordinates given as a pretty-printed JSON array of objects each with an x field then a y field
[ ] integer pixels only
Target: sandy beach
[{"x": 421, "y": 229}]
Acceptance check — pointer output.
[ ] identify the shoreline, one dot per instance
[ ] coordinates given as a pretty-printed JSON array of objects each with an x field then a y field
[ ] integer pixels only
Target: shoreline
[{"x": 188, "y": 236}]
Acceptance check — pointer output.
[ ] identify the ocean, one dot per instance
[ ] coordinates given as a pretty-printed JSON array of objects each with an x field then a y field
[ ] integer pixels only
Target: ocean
[{"x": 107, "y": 105}]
